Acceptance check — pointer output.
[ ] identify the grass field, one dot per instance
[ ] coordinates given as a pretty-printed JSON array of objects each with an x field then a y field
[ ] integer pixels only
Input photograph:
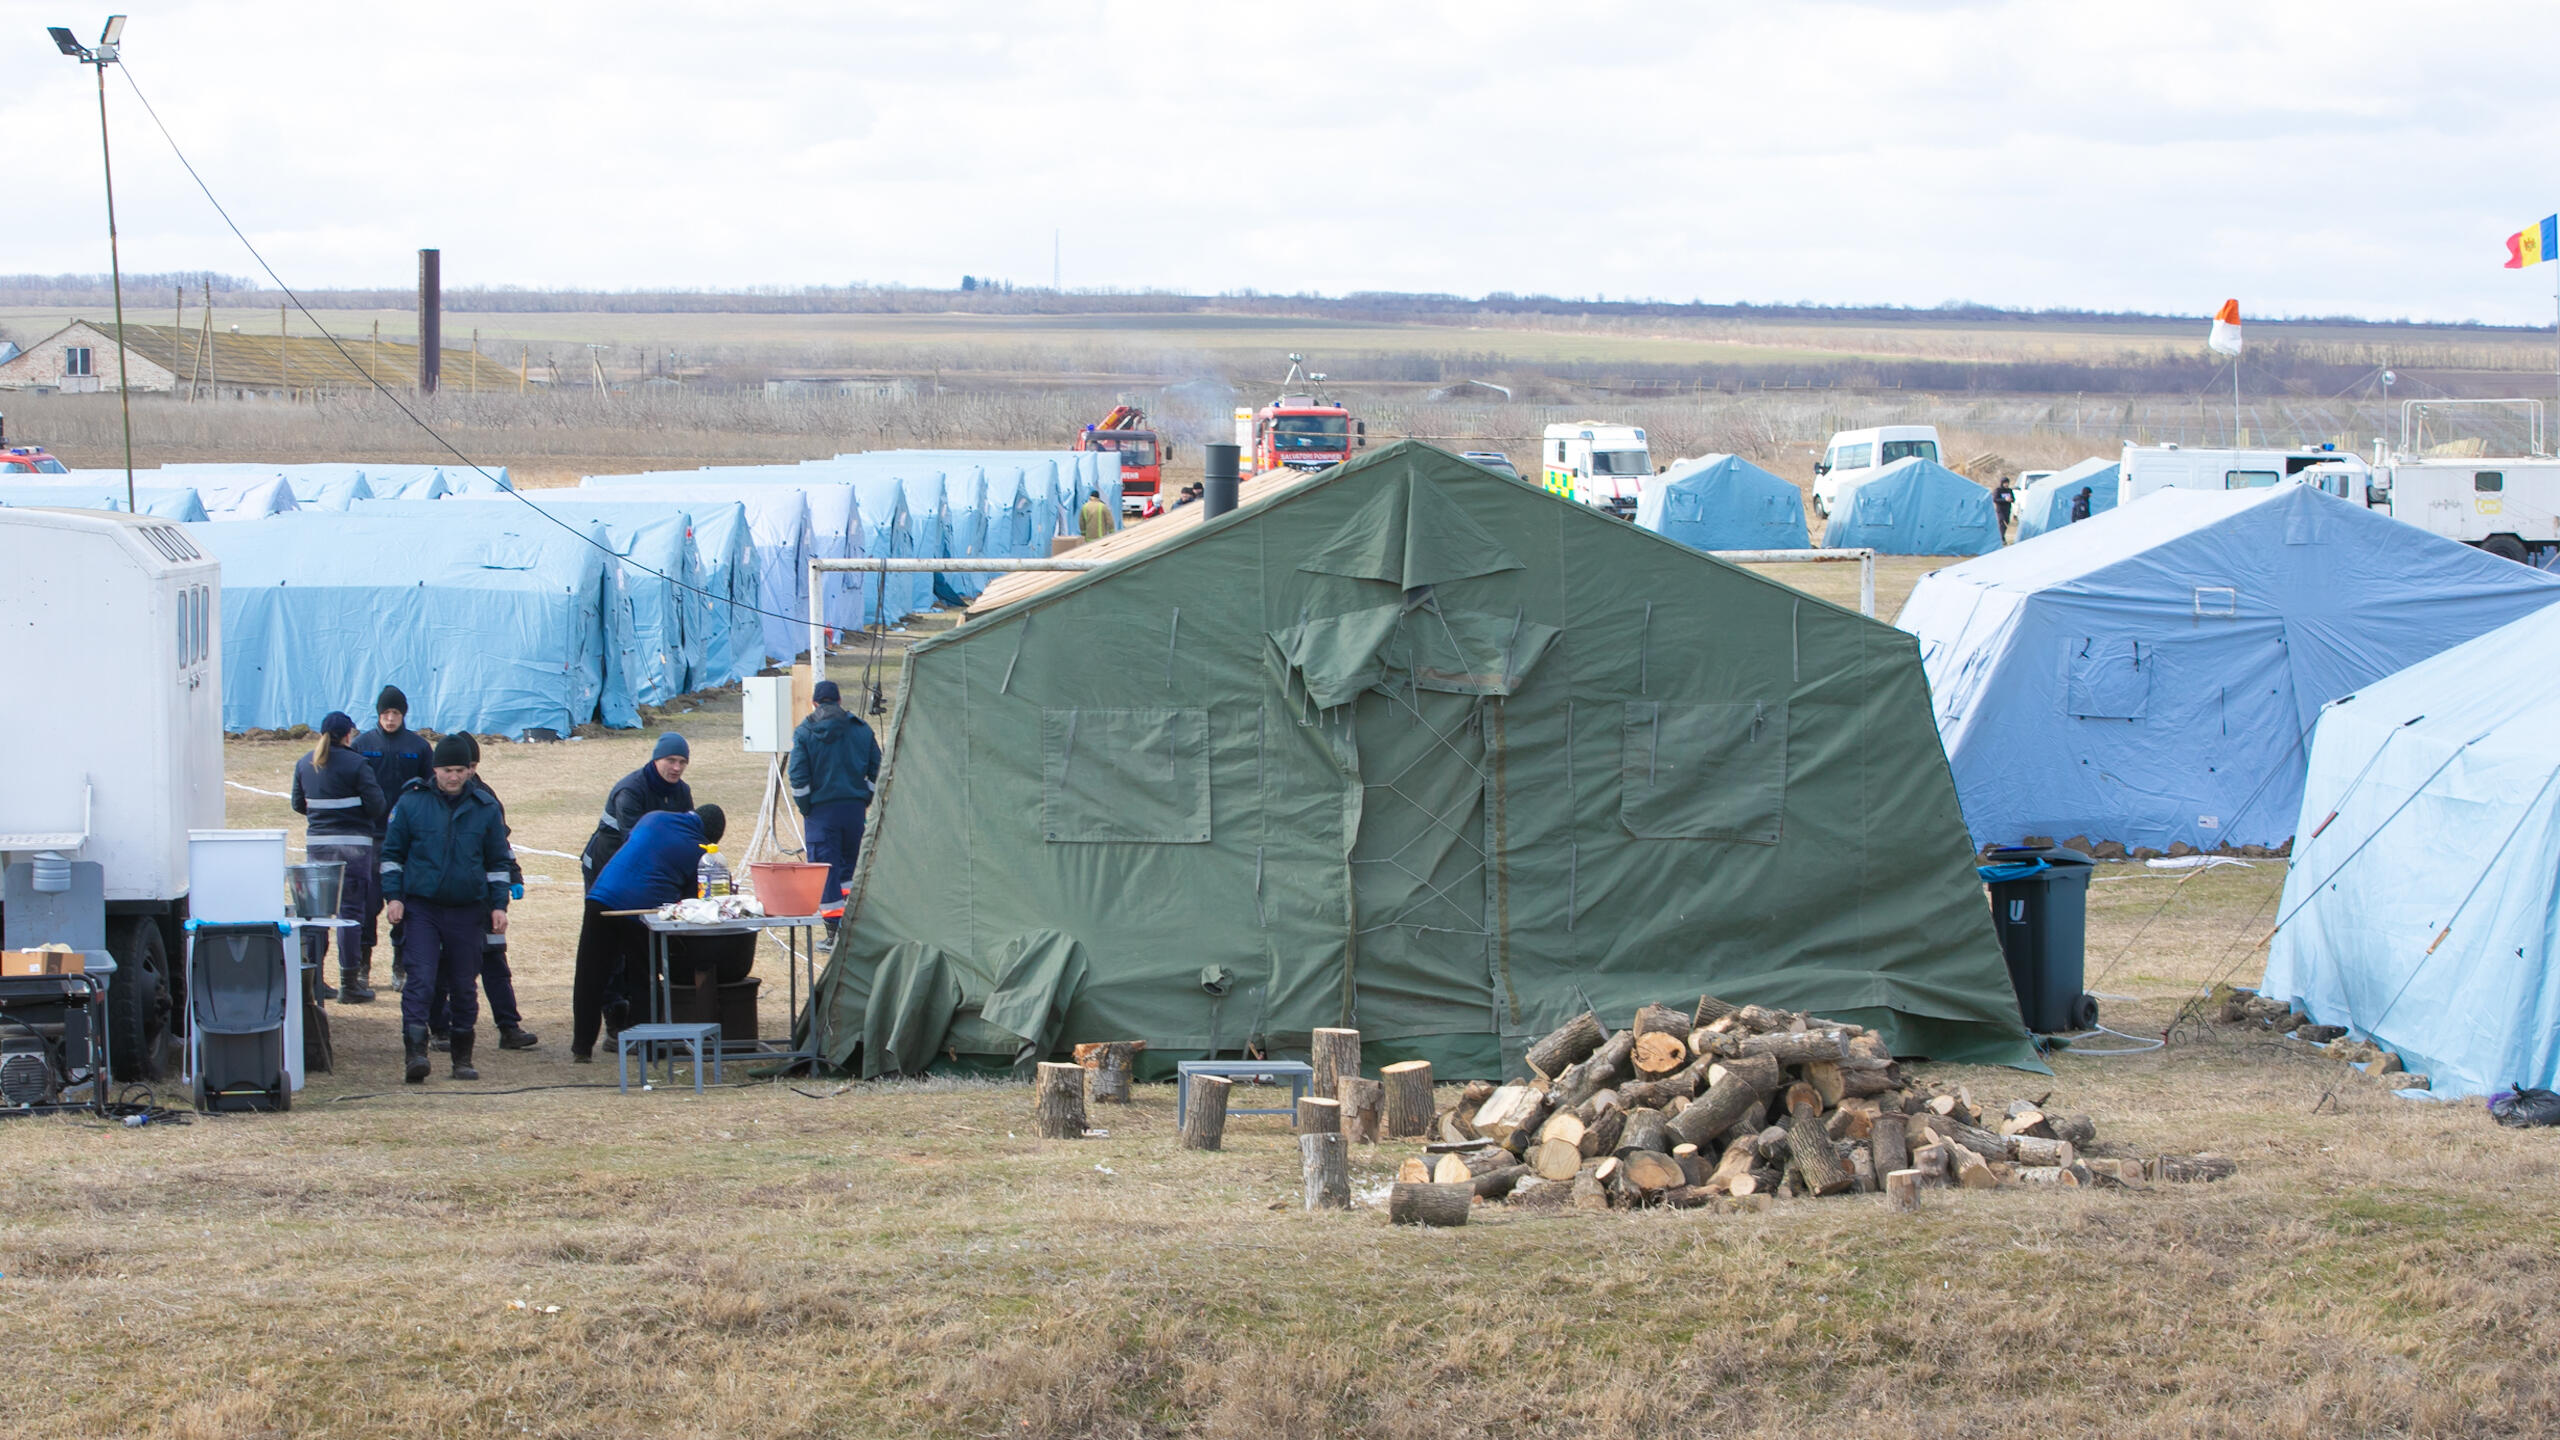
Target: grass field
[{"x": 904, "y": 1259}]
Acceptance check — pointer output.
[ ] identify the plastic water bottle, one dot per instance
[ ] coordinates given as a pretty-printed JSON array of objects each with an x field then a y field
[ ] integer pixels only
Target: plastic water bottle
[{"x": 711, "y": 878}]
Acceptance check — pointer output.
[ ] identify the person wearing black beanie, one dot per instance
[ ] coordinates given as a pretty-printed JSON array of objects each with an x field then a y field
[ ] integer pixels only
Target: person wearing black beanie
[
  {"x": 444, "y": 881},
  {"x": 335, "y": 788},
  {"x": 398, "y": 755},
  {"x": 497, "y": 976},
  {"x": 835, "y": 760},
  {"x": 654, "y": 787}
]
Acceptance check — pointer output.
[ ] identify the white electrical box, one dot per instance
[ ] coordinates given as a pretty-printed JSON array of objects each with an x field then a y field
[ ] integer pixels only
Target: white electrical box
[{"x": 768, "y": 714}]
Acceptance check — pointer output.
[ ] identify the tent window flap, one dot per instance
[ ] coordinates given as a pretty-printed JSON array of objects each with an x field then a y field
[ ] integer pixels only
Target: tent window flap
[
  {"x": 2107, "y": 679},
  {"x": 1129, "y": 776},
  {"x": 1703, "y": 772}
]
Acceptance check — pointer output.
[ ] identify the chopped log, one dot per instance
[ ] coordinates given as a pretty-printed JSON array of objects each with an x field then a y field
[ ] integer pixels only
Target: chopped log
[
  {"x": 1601, "y": 1136},
  {"x": 1764, "y": 1074},
  {"x": 1737, "y": 1160},
  {"x": 1335, "y": 1054},
  {"x": 1318, "y": 1116},
  {"x": 1600, "y": 1102},
  {"x": 1673, "y": 1106},
  {"x": 1981, "y": 1142},
  {"x": 1814, "y": 1157},
  {"x": 1891, "y": 1142},
  {"x": 1679, "y": 1084},
  {"x": 1454, "y": 1130},
  {"x": 1408, "y": 1086},
  {"x": 2031, "y": 1123},
  {"x": 1862, "y": 1117},
  {"x": 1494, "y": 1184},
  {"x": 1796, "y": 1047},
  {"x": 1476, "y": 1093},
  {"x": 1753, "y": 1204},
  {"x": 1451, "y": 1170},
  {"x": 1541, "y": 1104},
  {"x": 1460, "y": 1147},
  {"x": 1324, "y": 1168},
  {"x": 1870, "y": 1046},
  {"x": 2029, "y": 1150},
  {"x": 1681, "y": 1150},
  {"x": 1759, "y": 1019},
  {"x": 1836, "y": 1124},
  {"x": 1204, "y": 1113},
  {"x": 1941, "y": 1105},
  {"x": 1556, "y": 1159},
  {"x": 2125, "y": 1173},
  {"x": 1367, "y": 1110},
  {"x": 1662, "y": 1020},
  {"x": 1057, "y": 1100},
  {"x": 1825, "y": 1078},
  {"x": 1694, "y": 1167},
  {"x": 1717, "y": 1040},
  {"x": 1566, "y": 1045},
  {"x": 1754, "y": 1120},
  {"x": 2046, "y": 1175},
  {"x": 1602, "y": 1070},
  {"x": 1862, "y": 1169},
  {"x": 1802, "y": 1099},
  {"x": 1486, "y": 1161},
  {"x": 1645, "y": 1131},
  {"x": 1932, "y": 1161},
  {"x": 1589, "y": 1192},
  {"x": 2080, "y": 1130},
  {"x": 1114, "y": 1062},
  {"x": 1436, "y": 1205},
  {"x": 2190, "y": 1168},
  {"x": 1736, "y": 1089},
  {"x": 1746, "y": 1183},
  {"x": 1902, "y": 1191},
  {"x": 1565, "y": 1126},
  {"x": 1871, "y": 1083},
  {"x": 1651, "y": 1173},
  {"x": 1972, "y": 1171},
  {"x": 1414, "y": 1171},
  {"x": 1505, "y": 1110},
  {"x": 1892, "y": 1103},
  {"x": 1658, "y": 1054},
  {"x": 1774, "y": 1145},
  {"x": 1710, "y": 1009}
]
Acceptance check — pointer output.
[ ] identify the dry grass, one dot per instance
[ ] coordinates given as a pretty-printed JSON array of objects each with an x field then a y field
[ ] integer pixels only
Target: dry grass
[{"x": 907, "y": 1260}]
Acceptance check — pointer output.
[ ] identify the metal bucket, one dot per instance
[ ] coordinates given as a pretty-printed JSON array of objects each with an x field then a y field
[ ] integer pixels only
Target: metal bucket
[{"x": 314, "y": 888}]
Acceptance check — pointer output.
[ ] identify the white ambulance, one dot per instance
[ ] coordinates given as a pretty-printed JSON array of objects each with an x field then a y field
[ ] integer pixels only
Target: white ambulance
[{"x": 1603, "y": 466}]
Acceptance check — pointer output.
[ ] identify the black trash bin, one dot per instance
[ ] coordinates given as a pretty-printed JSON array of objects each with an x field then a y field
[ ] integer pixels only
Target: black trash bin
[{"x": 2040, "y": 907}]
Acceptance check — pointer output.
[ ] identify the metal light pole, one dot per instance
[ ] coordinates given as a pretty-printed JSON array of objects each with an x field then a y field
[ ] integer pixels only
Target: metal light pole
[{"x": 98, "y": 57}]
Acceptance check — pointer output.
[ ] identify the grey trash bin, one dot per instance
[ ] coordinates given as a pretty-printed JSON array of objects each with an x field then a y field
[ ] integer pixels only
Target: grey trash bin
[{"x": 2040, "y": 907}]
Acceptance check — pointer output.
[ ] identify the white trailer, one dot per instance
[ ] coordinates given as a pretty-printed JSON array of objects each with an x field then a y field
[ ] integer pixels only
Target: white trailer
[
  {"x": 2508, "y": 507},
  {"x": 1603, "y": 466},
  {"x": 111, "y": 732},
  {"x": 2149, "y": 469}
]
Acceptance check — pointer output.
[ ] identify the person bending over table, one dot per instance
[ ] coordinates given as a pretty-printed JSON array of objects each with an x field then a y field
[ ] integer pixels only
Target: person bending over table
[{"x": 655, "y": 866}]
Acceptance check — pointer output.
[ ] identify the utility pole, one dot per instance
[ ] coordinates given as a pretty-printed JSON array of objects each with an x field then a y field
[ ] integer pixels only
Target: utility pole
[{"x": 98, "y": 57}]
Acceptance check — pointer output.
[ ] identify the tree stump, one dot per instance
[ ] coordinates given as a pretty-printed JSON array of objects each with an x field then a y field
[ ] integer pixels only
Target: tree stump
[
  {"x": 1438, "y": 1205},
  {"x": 1363, "y": 1108},
  {"x": 1324, "y": 1165},
  {"x": 1902, "y": 1191},
  {"x": 1335, "y": 1054},
  {"x": 1319, "y": 1117},
  {"x": 1408, "y": 1086},
  {"x": 1567, "y": 1044},
  {"x": 1204, "y": 1114},
  {"x": 1057, "y": 1098},
  {"x": 1111, "y": 1072}
]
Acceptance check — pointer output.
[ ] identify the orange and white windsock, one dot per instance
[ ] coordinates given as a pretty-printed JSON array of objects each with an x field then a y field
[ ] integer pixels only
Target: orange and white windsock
[{"x": 2225, "y": 339}]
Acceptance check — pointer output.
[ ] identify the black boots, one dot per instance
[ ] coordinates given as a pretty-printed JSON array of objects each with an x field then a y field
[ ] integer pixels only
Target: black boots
[
  {"x": 413, "y": 1043},
  {"x": 355, "y": 984},
  {"x": 462, "y": 1056},
  {"x": 516, "y": 1037}
]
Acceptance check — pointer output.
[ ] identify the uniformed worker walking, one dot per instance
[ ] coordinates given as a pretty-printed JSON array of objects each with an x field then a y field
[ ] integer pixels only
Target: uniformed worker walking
[
  {"x": 398, "y": 755},
  {"x": 336, "y": 788},
  {"x": 444, "y": 882},
  {"x": 835, "y": 760},
  {"x": 497, "y": 978},
  {"x": 1094, "y": 520}
]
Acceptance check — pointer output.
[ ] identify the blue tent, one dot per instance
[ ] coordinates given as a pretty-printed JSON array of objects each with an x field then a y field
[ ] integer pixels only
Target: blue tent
[
  {"x": 723, "y": 638},
  {"x": 777, "y": 523},
  {"x": 168, "y": 502},
  {"x": 488, "y": 630},
  {"x": 1914, "y": 506},
  {"x": 1723, "y": 502},
  {"x": 836, "y": 531},
  {"x": 2426, "y": 915},
  {"x": 2151, "y": 676},
  {"x": 336, "y": 493},
  {"x": 1075, "y": 473},
  {"x": 2046, "y": 504}
]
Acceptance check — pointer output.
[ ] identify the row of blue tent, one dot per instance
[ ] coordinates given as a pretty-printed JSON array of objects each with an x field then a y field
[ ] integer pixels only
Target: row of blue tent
[
  {"x": 506, "y": 612},
  {"x": 1914, "y": 506}
]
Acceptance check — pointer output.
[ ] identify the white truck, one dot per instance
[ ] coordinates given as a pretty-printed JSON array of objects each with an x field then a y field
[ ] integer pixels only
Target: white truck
[
  {"x": 2508, "y": 507},
  {"x": 1591, "y": 463},
  {"x": 2148, "y": 469},
  {"x": 1856, "y": 455},
  {"x": 111, "y": 740}
]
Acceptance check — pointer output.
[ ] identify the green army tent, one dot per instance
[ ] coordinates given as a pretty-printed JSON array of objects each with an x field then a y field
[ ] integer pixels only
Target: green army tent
[{"x": 1413, "y": 747}]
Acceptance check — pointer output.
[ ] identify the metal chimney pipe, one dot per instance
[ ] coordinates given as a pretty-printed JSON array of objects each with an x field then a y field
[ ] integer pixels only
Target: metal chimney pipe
[
  {"x": 1218, "y": 486},
  {"x": 430, "y": 320}
]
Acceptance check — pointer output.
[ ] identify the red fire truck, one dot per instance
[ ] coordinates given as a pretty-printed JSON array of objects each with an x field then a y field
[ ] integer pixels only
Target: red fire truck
[
  {"x": 1142, "y": 454},
  {"x": 1302, "y": 430}
]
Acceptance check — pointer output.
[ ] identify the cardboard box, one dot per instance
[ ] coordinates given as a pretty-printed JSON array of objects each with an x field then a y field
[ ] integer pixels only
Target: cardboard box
[{"x": 48, "y": 960}]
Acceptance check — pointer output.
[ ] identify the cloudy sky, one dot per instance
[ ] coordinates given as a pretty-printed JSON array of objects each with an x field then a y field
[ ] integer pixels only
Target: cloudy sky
[{"x": 2311, "y": 158}]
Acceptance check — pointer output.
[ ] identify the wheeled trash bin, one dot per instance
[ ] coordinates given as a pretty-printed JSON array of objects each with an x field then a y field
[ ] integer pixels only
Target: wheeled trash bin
[{"x": 2040, "y": 907}]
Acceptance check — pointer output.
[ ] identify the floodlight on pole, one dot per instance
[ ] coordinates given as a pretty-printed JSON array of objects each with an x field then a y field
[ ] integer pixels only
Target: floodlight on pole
[{"x": 99, "y": 57}]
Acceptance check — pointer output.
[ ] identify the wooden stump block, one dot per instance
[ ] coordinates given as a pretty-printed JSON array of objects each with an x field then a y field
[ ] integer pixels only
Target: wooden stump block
[
  {"x": 1505, "y": 1110},
  {"x": 1113, "y": 1065},
  {"x": 1646, "y": 1130},
  {"x": 1335, "y": 1054},
  {"x": 1408, "y": 1087},
  {"x": 1364, "y": 1108},
  {"x": 1324, "y": 1166},
  {"x": 1567, "y": 1044},
  {"x": 1319, "y": 1117},
  {"x": 1438, "y": 1205},
  {"x": 1902, "y": 1191},
  {"x": 1814, "y": 1157},
  {"x": 1891, "y": 1142},
  {"x": 1204, "y": 1113},
  {"x": 1057, "y": 1099},
  {"x": 1556, "y": 1159},
  {"x": 1651, "y": 1172},
  {"x": 1600, "y": 1137}
]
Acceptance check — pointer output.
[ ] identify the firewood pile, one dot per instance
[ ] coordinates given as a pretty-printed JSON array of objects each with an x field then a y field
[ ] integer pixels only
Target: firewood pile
[
  {"x": 2248, "y": 1009},
  {"x": 1739, "y": 1106}
]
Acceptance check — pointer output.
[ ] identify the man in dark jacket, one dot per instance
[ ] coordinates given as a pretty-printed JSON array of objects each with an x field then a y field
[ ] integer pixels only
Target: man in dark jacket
[
  {"x": 336, "y": 788},
  {"x": 2003, "y": 500},
  {"x": 2080, "y": 505},
  {"x": 444, "y": 880},
  {"x": 398, "y": 755},
  {"x": 655, "y": 866},
  {"x": 497, "y": 978},
  {"x": 834, "y": 762},
  {"x": 658, "y": 785}
]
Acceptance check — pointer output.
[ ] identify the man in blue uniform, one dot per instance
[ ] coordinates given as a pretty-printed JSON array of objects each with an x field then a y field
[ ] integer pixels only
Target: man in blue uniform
[{"x": 444, "y": 882}]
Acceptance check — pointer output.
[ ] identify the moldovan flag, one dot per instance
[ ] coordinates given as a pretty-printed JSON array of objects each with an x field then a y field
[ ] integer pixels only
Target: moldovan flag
[
  {"x": 2534, "y": 244},
  {"x": 2225, "y": 338}
]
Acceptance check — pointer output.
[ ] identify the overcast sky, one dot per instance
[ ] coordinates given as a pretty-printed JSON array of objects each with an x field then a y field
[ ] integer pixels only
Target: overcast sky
[{"x": 2310, "y": 158}]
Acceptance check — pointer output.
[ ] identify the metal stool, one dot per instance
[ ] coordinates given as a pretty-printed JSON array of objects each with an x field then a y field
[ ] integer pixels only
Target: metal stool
[
  {"x": 1298, "y": 1073},
  {"x": 697, "y": 1038}
]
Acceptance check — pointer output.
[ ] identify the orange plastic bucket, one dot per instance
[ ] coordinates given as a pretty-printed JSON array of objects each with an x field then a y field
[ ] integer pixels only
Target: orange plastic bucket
[{"x": 788, "y": 887}]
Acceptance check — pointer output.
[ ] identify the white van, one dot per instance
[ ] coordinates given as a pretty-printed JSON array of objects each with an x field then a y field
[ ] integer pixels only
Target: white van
[
  {"x": 1604, "y": 466},
  {"x": 2508, "y": 507},
  {"x": 2147, "y": 469},
  {"x": 1855, "y": 455}
]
